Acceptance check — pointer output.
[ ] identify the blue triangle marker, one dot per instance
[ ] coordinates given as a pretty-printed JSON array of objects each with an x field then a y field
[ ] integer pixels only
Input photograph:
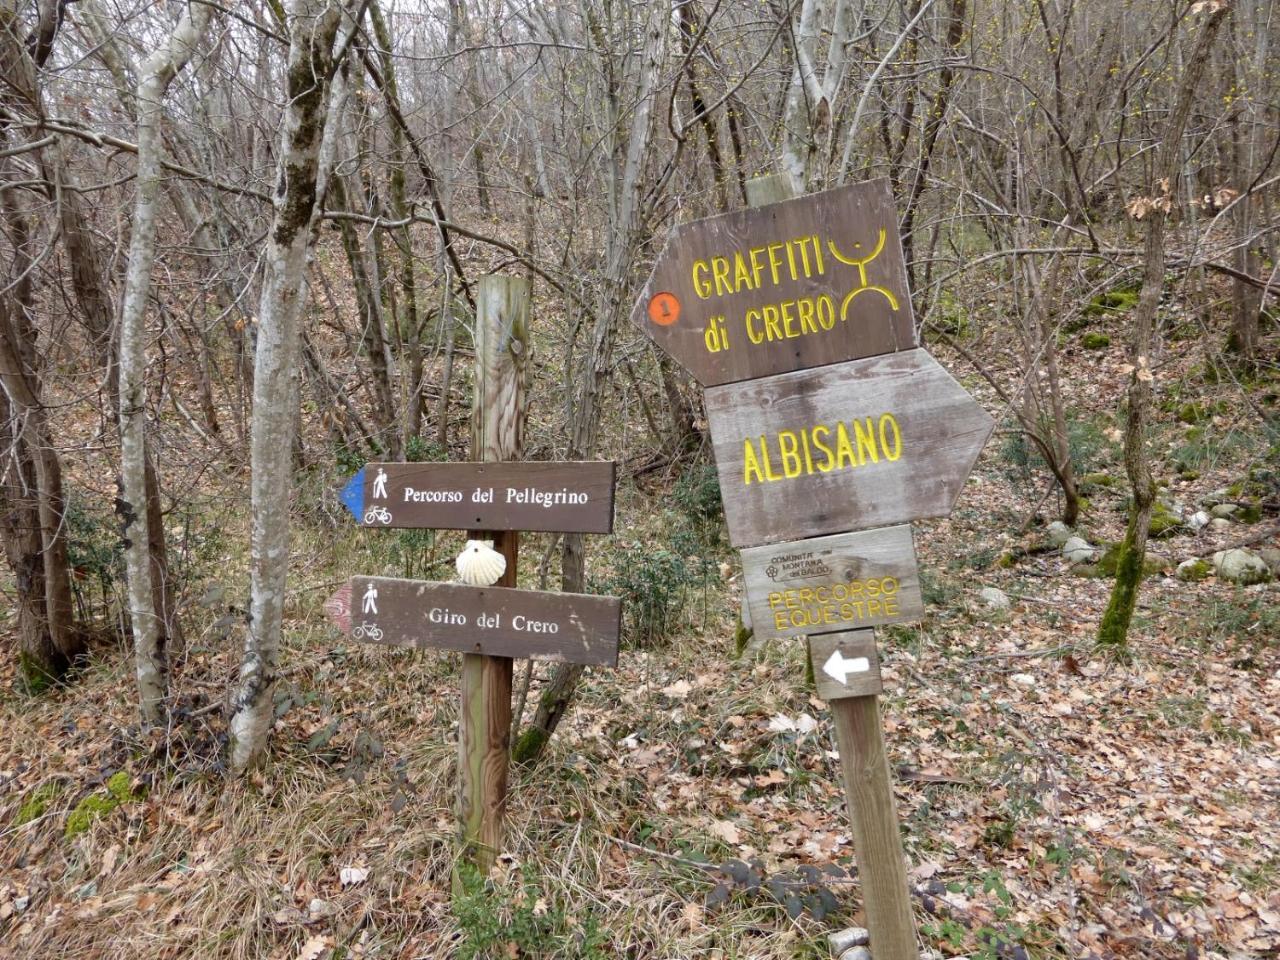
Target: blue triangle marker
[{"x": 352, "y": 495}]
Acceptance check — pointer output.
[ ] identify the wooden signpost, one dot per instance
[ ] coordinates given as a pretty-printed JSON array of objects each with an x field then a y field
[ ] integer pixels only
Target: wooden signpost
[
  {"x": 797, "y": 284},
  {"x": 495, "y": 621},
  {"x": 844, "y": 447},
  {"x": 825, "y": 419},
  {"x": 571, "y": 497},
  {"x": 841, "y": 582},
  {"x": 492, "y": 499}
]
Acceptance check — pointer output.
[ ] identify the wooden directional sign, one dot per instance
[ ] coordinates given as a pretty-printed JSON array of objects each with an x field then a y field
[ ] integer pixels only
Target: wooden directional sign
[
  {"x": 849, "y": 446},
  {"x": 846, "y": 665},
  {"x": 495, "y": 621},
  {"x": 555, "y": 497},
  {"x": 797, "y": 284},
  {"x": 829, "y": 584}
]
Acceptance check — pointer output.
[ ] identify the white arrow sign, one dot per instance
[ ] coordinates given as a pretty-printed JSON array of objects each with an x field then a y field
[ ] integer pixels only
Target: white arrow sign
[{"x": 838, "y": 668}]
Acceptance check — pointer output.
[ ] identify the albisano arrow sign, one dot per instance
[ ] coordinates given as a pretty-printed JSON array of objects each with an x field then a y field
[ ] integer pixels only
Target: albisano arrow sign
[{"x": 848, "y": 446}]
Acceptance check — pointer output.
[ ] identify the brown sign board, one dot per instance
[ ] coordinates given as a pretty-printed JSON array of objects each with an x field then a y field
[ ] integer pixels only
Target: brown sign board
[
  {"x": 797, "y": 284},
  {"x": 837, "y": 583},
  {"x": 495, "y": 621},
  {"x": 846, "y": 665},
  {"x": 851, "y": 446},
  {"x": 572, "y": 497}
]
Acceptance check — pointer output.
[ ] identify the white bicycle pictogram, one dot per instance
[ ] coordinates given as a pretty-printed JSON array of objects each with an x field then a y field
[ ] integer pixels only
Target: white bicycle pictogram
[
  {"x": 377, "y": 514},
  {"x": 367, "y": 631}
]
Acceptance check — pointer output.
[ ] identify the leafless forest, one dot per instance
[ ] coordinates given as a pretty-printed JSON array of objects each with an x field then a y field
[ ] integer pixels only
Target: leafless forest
[{"x": 241, "y": 246}]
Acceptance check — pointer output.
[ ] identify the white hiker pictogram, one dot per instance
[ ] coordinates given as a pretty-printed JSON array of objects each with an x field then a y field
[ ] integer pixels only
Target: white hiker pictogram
[
  {"x": 371, "y": 599},
  {"x": 380, "y": 485}
]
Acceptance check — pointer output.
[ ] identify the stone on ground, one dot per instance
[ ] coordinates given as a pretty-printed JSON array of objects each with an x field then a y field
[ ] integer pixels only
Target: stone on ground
[{"x": 1241, "y": 566}]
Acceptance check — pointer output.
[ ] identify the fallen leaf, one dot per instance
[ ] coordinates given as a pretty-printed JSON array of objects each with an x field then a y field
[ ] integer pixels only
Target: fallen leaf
[
  {"x": 726, "y": 831},
  {"x": 313, "y": 948},
  {"x": 678, "y": 690}
]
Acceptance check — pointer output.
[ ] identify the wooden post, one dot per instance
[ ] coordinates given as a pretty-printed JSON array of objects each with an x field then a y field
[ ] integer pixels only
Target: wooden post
[
  {"x": 868, "y": 789},
  {"x": 497, "y": 433}
]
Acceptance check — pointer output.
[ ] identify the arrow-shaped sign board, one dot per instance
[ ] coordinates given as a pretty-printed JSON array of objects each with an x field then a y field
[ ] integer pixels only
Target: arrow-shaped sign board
[
  {"x": 573, "y": 497},
  {"x": 495, "y": 621},
  {"x": 830, "y": 584},
  {"x": 849, "y": 664},
  {"x": 869, "y": 443},
  {"x": 796, "y": 284}
]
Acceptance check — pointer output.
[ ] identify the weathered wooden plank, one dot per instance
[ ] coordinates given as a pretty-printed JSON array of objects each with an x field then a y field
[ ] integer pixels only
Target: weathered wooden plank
[
  {"x": 495, "y": 621},
  {"x": 556, "y": 497},
  {"x": 846, "y": 664},
  {"x": 882, "y": 868},
  {"x": 842, "y": 582},
  {"x": 868, "y": 443},
  {"x": 802, "y": 283},
  {"x": 498, "y": 415}
]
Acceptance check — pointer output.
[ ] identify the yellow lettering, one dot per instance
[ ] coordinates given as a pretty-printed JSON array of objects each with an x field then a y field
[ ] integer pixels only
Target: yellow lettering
[
  {"x": 888, "y": 418},
  {"x": 804, "y": 308},
  {"x": 844, "y": 448},
  {"x": 808, "y": 460},
  {"x": 780, "y": 620},
  {"x": 750, "y": 463},
  {"x": 774, "y": 262},
  {"x": 791, "y": 260},
  {"x": 775, "y": 599},
  {"x": 701, "y": 285},
  {"x": 891, "y": 607},
  {"x": 752, "y": 335},
  {"x": 787, "y": 319},
  {"x": 741, "y": 276},
  {"x": 817, "y": 253},
  {"x": 804, "y": 254},
  {"x": 768, "y": 467},
  {"x": 756, "y": 266},
  {"x": 830, "y": 464},
  {"x": 866, "y": 442},
  {"x": 788, "y": 445},
  {"x": 720, "y": 270},
  {"x": 771, "y": 328},
  {"x": 826, "y": 312}
]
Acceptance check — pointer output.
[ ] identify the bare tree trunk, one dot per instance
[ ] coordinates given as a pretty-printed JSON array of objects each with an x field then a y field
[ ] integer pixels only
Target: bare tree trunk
[
  {"x": 1114, "y": 628},
  {"x": 313, "y": 26},
  {"x": 149, "y": 634}
]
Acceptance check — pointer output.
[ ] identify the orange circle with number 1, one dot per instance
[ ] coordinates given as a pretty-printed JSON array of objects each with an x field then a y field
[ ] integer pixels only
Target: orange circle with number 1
[{"x": 664, "y": 309}]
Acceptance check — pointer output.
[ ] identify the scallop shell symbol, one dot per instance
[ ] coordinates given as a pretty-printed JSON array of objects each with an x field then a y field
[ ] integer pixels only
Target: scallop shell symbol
[{"x": 479, "y": 564}]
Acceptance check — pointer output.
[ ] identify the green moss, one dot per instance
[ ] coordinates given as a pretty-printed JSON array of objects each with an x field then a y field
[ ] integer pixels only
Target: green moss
[
  {"x": 37, "y": 803},
  {"x": 1112, "y": 301},
  {"x": 34, "y": 676},
  {"x": 96, "y": 805},
  {"x": 1195, "y": 572},
  {"x": 1109, "y": 563},
  {"x": 1113, "y": 632},
  {"x": 1092, "y": 481},
  {"x": 1164, "y": 522},
  {"x": 530, "y": 745},
  {"x": 1193, "y": 412},
  {"x": 1095, "y": 341}
]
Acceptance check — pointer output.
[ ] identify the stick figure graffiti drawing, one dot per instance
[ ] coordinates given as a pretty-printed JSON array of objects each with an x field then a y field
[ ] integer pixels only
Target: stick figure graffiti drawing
[
  {"x": 380, "y": 485},
  {"x": 861, "y": 266},
  {"x": 371, "y": 600}
]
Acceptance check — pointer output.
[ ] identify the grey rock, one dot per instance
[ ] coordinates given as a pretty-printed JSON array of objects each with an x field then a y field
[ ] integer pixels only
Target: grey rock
[
  {"x": 1215, "y": 498},
  {"x": 1225, "y": 510},
  {"x": 1193, "y": 570},
  {"x": 1241, "y": 566},
  {"x": 1059, "y": 533},
  {"x": 856, "y": 953},
  {"x": 994, "y": 598},
  {"x": 1219, "y": 524},
  {"x": 848, "y": 938},
  {"x": 1079, "y": 550},
  {"x": 1198, "y": 521},
  {"x": 1271, "y": 557}
]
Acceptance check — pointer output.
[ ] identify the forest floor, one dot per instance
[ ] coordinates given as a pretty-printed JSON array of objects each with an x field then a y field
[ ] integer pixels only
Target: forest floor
[{"x": 1056, "y": 801}]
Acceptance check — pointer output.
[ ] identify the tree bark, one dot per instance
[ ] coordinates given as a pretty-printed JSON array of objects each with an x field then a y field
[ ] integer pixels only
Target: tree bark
[
  {"x": 150, "y": 636},
  {"x": 313, "y": 26},
  {"x": 1114, "y": 628}
]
